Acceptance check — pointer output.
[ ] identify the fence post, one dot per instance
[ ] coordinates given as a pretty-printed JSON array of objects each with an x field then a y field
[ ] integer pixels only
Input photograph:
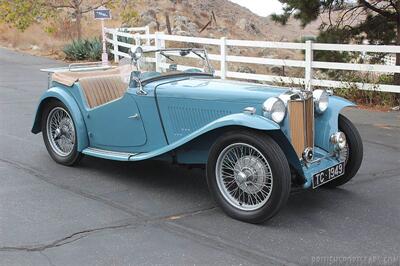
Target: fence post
[
  {"x": 147, "y": 31},
  {"x": 308, "y": 68},
  {"x": 137, "y": 39},
  {"x": 223, "y": 66},
  {"x": 115, "y": 45},
  {"x": 159, "y": 45}
]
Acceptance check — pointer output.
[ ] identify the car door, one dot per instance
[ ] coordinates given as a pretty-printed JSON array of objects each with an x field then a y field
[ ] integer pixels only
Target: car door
[{"x": 117, "y": 124}]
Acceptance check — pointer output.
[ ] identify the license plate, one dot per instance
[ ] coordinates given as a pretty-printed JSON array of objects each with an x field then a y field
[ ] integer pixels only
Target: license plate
[{"x": 328, "y": 175}]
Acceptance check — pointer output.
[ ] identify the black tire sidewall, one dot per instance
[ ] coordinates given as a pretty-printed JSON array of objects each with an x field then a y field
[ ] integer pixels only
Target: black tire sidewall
[
  {"x": 280, "y": 174},
  {"x": 355, "y": 154},
  {"x": 74, "y": 156}
]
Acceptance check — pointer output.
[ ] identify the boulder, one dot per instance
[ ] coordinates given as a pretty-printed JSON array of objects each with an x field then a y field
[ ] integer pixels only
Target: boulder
[
  {"x": 247, "y": 26},
  {"x": 148, "y": 17},
  {"x": 183, "y": 24}
]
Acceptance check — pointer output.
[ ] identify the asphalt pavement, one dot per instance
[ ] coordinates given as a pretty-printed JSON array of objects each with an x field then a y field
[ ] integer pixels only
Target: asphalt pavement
[{"x": 114, "y": 213}]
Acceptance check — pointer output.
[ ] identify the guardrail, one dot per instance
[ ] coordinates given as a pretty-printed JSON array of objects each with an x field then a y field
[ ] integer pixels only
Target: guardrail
[{"x": 158, "y": 40}]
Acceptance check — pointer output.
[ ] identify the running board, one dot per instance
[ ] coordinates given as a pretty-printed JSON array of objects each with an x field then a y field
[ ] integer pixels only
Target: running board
[{"x": 106, "y": 154}]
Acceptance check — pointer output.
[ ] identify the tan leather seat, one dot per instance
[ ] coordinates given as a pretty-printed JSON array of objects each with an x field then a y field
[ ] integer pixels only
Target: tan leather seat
[
  {"x": 99, "y": 87},
  {"x": 103, "y": 89}
]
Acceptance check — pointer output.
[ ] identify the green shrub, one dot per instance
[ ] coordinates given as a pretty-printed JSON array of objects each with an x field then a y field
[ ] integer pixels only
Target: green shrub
[
  {"x": 368, "y": 97},
  {"x": 88, "y": 49}
]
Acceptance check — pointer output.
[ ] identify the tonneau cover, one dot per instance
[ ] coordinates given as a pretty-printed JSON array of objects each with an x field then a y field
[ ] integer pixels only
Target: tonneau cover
[{"x": 68, "y": 78}]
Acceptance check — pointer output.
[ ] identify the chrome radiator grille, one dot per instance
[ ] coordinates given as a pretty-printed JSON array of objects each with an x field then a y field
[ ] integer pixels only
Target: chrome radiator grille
[{"x": 301, "y": 122}]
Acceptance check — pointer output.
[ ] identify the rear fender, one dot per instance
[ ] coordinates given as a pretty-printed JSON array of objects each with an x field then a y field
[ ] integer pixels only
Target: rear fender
[{"x": 60, "y": 94}]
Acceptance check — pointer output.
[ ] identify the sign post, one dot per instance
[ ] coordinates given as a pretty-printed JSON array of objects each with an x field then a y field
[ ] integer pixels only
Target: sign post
[{"x": 103, "y": 13}]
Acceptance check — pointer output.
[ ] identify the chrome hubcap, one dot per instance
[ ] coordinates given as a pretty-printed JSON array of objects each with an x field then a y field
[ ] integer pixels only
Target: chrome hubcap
[
  {"x": 344, "y": 154},
  {"x": 244, "y": 176},
  {"x": 60, "y": 131}
]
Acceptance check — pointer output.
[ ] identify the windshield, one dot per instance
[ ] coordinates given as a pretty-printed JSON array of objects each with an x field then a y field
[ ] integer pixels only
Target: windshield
[{"x": 170, "y": 62}]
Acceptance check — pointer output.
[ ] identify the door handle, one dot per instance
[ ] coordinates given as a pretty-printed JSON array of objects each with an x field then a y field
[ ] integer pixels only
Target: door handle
[{"x": 135, "y": 116}]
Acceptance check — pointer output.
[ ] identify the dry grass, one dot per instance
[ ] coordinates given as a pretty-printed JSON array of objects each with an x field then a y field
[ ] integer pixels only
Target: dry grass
[{"x": 38, "y": 40}]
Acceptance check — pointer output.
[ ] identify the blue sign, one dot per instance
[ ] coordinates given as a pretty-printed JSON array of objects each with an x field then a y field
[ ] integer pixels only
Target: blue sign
[{"x": 102, "y": 14}]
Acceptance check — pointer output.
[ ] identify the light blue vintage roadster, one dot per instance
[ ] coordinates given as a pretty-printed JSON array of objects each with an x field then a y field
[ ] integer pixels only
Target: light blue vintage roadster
[{"x": 256, "y": 141}]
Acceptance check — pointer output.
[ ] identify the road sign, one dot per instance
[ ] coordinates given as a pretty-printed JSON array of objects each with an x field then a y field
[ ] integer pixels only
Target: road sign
[{"x": 102, "y": 13}]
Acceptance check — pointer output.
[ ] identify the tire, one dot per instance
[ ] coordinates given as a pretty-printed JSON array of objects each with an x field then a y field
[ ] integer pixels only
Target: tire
[
  {"x": 66, "y": 153},
  {"x": 272, "y": 160},
  {"x": 354, "y": 154}
]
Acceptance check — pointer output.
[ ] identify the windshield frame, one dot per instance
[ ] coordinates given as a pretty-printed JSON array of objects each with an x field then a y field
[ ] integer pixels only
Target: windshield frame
[
  {"x": 201, "y": 53},
  {"x": 175, "y": 75}
]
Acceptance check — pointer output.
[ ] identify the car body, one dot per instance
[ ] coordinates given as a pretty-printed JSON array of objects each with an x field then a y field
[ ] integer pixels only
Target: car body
[{"x": 179, "y": 117}]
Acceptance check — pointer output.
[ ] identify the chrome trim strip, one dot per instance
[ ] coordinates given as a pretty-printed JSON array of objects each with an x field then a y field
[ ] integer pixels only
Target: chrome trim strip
[{"x": 109, "y": 153}]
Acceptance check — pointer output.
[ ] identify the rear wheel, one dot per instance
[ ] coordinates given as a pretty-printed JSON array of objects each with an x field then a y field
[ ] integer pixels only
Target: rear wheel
[
  {"x": 353, "y": 153},
  {"x": 59, "y": 133},
  {"x": 248, "y": 176}
]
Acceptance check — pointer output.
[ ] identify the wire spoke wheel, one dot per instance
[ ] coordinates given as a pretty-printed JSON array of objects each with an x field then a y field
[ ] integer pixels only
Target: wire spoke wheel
[
  {"x": 60, "y": 131},
  {"x": 244, "y": 176}
]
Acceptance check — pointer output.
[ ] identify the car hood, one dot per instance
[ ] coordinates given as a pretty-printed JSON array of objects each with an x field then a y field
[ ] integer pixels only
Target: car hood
[{"x": 218, "y": 90}]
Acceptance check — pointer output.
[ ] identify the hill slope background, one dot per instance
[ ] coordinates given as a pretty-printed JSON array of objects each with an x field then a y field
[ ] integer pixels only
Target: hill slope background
[{"x": 186, "y": 18}]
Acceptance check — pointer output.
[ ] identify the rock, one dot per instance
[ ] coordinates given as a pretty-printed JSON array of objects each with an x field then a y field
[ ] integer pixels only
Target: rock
[
  {"x": 247, "y": 26},
  {"x": 223, "y": 31},
  {"x": 34, "y": 47},
  {"x": 183, "y": 24},
  {"x": 252, "y": 28},
  {"x": 242, "y": 23},
  {"x": 148, "y": 17}
]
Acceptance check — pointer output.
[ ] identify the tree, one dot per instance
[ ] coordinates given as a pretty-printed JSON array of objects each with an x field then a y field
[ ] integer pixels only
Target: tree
[
  {"x": 22, "y": 13},
  {"x": 377, "y": 21}
]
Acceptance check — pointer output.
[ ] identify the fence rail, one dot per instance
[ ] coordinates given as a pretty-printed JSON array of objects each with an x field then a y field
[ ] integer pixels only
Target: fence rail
[{"x": 141, "y": 36}]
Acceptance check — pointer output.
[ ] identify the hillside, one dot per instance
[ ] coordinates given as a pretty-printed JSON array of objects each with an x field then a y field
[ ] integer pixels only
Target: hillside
[
  {"x": 232, "y": 20},
  {"x": 186, "y": 18}
]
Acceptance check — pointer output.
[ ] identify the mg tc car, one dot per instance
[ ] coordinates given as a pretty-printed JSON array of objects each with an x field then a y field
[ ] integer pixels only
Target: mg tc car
[{"x": 256, "y": 141}]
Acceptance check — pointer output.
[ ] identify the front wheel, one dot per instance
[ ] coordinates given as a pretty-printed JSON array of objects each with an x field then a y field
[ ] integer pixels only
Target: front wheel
[
  {"x": 248, "y": 175},
  {"x": 59, "y": 133},
  {"x": 352, "y": 154}
]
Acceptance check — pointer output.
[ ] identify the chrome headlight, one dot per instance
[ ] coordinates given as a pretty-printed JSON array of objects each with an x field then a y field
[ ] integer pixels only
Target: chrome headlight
[
  {"x": 321, "y": 101},
  {"x": 274, "y": 109}
]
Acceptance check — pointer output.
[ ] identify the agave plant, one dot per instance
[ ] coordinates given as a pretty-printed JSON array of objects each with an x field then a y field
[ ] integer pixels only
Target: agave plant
[{"x": 84, "y": 49}]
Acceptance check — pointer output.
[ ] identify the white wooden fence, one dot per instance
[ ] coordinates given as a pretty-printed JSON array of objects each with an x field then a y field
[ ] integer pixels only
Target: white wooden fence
[{"x": 141, "y": 36}]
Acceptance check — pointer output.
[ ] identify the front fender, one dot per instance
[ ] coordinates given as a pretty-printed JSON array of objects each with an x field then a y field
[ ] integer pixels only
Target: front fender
[
  {"x": 327, "y": 123},
  {"x": 67, "y": 99},
  {"x": 240, "y": 119}
]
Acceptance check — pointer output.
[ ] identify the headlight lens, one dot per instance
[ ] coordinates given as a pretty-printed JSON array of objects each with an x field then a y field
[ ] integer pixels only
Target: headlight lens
[
  {"x": 321, "y": 101},
  {"x": 274, "y": 109}
]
